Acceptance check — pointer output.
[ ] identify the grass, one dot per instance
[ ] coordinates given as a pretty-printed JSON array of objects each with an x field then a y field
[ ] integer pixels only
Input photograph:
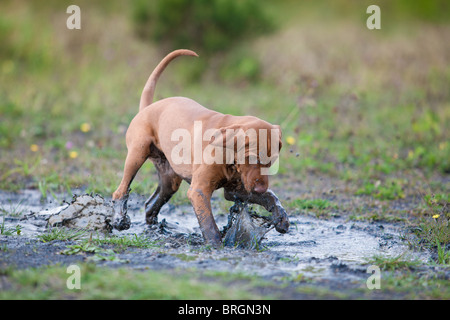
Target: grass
[
  {"x": 373, "y": 215},
  {"x": 12, "y": 210},
  {"x": 92, "y": 244},
  {"x": 432, "y": 228},
  {"x": 401, "y": 276},
  {"x": 344, "y": 117},
  {"x": 9, "y": 231},
  {"x": 62, "y": 234},
  {"x": 122, "y": 242},
  {"x": 443, "y": 255},
  {"x": 319, "y": 204},
  {"x": 121, "y": 283},
  {"x": 98, "y": 247},
  {"x": 431, "y": 231},
  {"x": 398, "y": 262},
  {"x": 390, "y": 190},
  {"x": 321, "y": 207},
  {"x": 411, "y": 286}
]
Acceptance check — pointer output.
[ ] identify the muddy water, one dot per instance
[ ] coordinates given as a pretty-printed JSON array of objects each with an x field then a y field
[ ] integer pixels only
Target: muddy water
[{"x": 334, "y": 249}]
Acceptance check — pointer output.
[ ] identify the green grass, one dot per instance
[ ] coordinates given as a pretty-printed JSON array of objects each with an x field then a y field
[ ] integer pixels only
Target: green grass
[
  {"x": 389, "y": 190},
  {"x": 321, "y": 207},
  {"x": 62, "y": 234},
  {"x": 358, "y": 116},
  {"x": 377, "y": 214},
  {"x": 399, "y": 262},
  {"x": 400, "y": 275},
  {"x": 410, "y": 286},
  {"x": 443, "y": 255},
  {"x": 432, "y": 228},
  {"x": 431, "y": 231},
  {"x": 121, "y": 283},
  {"x": 9, "y": 231},
  {"x": 12, "y": 209},
  {"x": 100, "y": 245},
  {"x": 319, "y": 204},
  {"x": 122, "y": 242}
]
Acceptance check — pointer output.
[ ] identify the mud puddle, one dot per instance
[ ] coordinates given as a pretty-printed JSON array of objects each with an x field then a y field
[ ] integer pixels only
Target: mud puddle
[{"x": 329, "y": 250}]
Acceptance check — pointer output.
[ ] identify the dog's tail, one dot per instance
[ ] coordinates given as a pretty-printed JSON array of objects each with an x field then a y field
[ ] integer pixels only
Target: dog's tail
[{"x": 149, "y": 89}]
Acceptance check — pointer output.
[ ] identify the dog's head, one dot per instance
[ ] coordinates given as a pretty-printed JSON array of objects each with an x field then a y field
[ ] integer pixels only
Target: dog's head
[{"x": 252, "y": 148}]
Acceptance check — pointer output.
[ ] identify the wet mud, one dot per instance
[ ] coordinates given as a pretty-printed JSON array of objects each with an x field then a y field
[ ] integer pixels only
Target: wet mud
[{"x": 334, "y": 250}]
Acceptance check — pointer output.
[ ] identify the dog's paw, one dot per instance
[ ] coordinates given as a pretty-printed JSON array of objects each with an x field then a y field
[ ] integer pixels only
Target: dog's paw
[
  {"x": 122, "y": 223},
  {"x": 280, "y": 220}
]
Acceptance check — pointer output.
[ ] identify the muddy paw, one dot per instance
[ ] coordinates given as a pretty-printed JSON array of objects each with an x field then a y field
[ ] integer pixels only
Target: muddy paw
[
  {"x": 123, "y": 223},
  {"x": 280, "y": 220}
]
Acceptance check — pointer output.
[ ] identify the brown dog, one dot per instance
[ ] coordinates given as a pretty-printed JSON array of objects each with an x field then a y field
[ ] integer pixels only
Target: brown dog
[{"x": 154, "y": 134}]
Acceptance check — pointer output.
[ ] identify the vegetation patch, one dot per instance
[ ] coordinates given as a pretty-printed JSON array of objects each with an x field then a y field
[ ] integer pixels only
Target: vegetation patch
[
  {"x": 390, "y": 190},
  {"x": 121, "y": 283},
  {"x": 320, "y": 207}
]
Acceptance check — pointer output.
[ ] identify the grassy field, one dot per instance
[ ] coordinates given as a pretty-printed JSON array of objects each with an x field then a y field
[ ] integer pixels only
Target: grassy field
[
  {"x": 50, "y": 283},
  {"x": 365, "y": 113},
  {"x": 368, "y": 108},
  {"x": 356, "y": 104}
]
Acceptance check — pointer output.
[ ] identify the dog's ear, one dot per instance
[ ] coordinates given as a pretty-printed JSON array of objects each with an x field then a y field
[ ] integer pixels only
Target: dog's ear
[
  {"x": 238, "y": 142},
  {"x": 273, "y": 145},
  {"x": 227, "y": 136}
]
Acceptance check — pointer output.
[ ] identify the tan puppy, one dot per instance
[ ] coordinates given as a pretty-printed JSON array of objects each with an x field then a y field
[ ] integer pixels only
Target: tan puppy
[{"x": 186, "y": 141}]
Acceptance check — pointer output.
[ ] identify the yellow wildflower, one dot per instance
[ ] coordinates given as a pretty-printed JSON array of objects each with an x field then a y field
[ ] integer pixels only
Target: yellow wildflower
[
  {"x": 34, "y": 147},
  {"x": 435, "y": 216},
  {"x": 73, "y": 154},
  {"x": 290, "y": 140},
  {"x": 85, "y": 127}
]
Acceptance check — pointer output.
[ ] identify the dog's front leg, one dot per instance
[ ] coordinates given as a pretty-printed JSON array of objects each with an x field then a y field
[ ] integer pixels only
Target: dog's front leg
[
  {"x": 121, "y": 220},
  {"x": 200, "y": 197},
  {"x": 137, "y": 154},
  {"x": 268, "y": 200},
  {"x": 272, "y": 204}
]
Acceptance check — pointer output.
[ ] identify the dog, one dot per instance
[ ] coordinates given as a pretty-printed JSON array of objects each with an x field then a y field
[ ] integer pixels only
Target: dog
[{"x": 150, "y": 135}]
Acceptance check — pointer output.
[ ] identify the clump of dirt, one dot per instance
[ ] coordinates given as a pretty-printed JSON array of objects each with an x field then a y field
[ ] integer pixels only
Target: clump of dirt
[{"x": 84, "y": 212}]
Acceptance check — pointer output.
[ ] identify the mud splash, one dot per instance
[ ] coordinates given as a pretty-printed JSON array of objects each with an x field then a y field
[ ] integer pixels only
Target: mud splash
[
  {"x": 329, "y": 250},
  {"x": 91, "y": 212},
  {"x": 245, "y": 230}
]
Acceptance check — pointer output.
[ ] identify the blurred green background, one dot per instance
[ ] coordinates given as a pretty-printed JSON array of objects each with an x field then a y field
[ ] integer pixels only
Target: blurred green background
[{"x": 366, "y": 107}]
